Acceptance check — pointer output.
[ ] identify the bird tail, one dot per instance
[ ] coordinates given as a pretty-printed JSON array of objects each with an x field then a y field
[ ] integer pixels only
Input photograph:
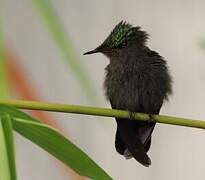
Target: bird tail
[{"x": 132, "y": 139}]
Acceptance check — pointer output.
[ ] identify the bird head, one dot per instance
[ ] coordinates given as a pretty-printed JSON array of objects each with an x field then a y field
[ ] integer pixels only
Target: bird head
[{"x": 122, "y": 37}]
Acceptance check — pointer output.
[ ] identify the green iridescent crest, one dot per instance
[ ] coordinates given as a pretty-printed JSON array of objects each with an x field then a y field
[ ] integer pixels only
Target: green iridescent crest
[{"x": 122, "y": 33}]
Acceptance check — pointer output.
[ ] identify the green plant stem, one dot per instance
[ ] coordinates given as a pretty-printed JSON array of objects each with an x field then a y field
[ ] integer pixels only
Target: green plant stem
[
  {"x": 6, "y": 125},
  {"x": 43, "y": 106}
]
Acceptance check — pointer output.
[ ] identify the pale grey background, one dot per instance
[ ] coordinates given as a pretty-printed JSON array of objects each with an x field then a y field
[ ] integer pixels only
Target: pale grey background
[{"x": 176, "y": 27}]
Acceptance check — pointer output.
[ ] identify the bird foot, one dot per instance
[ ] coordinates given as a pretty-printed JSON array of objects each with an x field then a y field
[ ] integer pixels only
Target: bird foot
[{"x": 151, "y": 118}]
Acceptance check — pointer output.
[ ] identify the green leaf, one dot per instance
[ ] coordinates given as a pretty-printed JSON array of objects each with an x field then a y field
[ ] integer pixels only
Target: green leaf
[
  {"x": 53, "y": 142},
  {"x": 7, "y": 157},
  {"x": 64, "y": 44}
]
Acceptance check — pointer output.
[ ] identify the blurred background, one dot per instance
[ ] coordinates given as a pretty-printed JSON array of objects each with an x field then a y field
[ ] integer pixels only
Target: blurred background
[{"x": 45, "y": 40}]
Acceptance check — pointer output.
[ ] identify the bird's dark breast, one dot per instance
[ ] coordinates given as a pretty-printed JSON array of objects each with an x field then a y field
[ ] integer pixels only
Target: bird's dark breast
[{"x": 136, "y": 87}]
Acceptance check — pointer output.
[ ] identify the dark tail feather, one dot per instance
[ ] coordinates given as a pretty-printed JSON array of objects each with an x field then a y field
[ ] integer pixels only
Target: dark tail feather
[
  {"x": 145, "y": 133},
  {"x": 147, "y": 144},
  {"x": 120, "y": 146},
  {"x": 132, "y": 141}
]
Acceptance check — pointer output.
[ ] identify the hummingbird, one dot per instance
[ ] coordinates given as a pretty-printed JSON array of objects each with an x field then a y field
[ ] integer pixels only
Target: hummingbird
[{"x": 137, "y": 80}]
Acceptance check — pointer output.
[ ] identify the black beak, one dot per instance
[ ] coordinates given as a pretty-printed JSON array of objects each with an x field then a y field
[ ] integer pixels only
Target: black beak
[{"x": 92, "y": 52}]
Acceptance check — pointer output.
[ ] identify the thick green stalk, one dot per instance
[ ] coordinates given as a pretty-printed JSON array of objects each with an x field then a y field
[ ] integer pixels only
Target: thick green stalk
[
  {"x": 4, "y": 162},
  {"x": 7, "y": 149},
  {"x": 102, "y": 112}
]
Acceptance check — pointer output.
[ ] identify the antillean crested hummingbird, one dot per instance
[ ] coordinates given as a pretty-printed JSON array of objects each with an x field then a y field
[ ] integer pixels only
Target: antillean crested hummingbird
[{"x": 138, "y": 80}]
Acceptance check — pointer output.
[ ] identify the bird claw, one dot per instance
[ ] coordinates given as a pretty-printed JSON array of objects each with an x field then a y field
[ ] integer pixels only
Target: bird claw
[
  {"x": 151, "y": 118},
  {"x": 131, "y": 115}
]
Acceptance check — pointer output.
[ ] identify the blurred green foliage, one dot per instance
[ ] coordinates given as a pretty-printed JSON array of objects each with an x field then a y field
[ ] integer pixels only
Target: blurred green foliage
[
  {"x": 64, "y": 44},
  {"x": 7, "y": 155},
  {"x": 43, "y": 135}
]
